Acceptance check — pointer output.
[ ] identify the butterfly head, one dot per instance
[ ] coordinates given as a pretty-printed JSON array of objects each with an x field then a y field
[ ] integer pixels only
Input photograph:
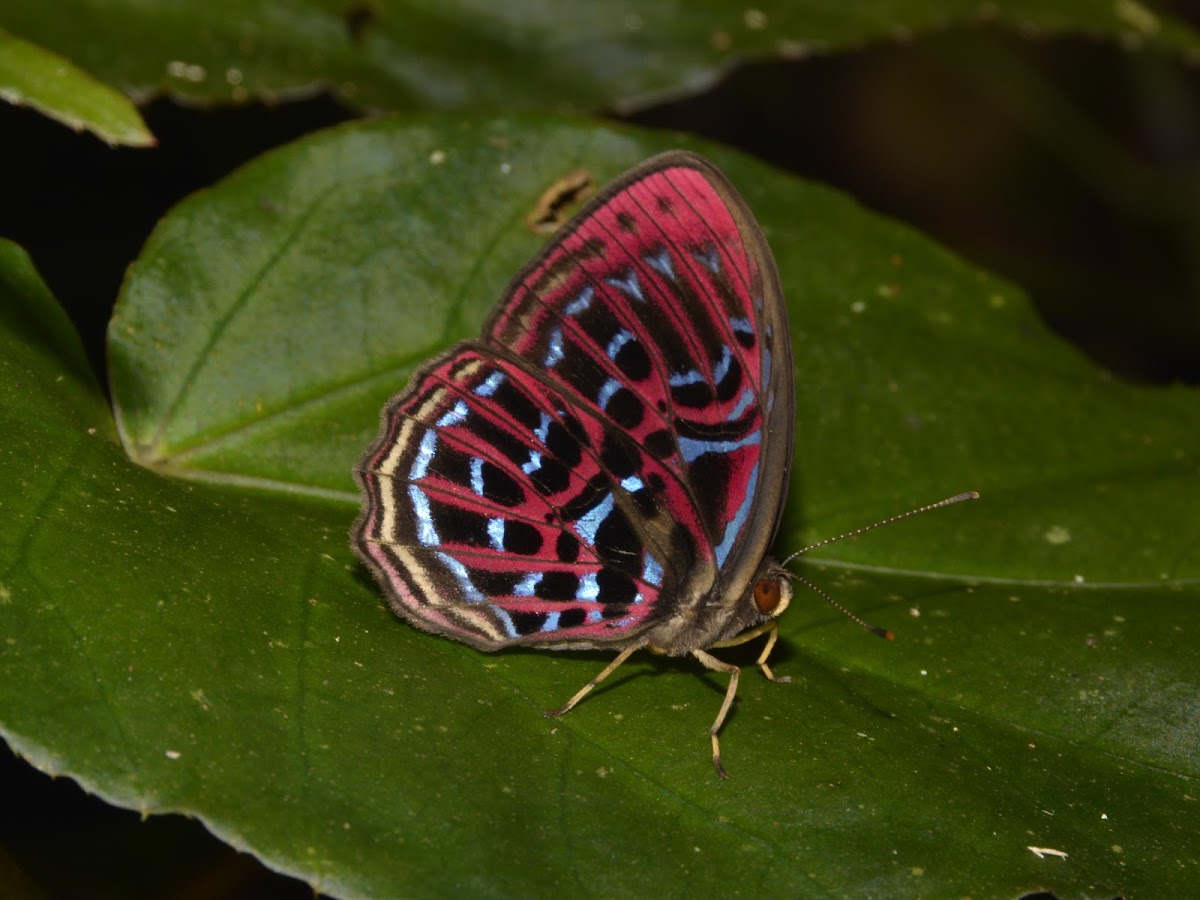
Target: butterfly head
[{"x": 771, "y": 591}]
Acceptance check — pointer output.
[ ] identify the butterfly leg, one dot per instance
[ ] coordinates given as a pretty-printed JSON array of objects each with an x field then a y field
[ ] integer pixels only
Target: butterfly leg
[
  {"x": 711, "y": 662},
  {"x": 761, "y": 662},
  {"x": 587, "y": 688},
  {"x": 771, "y": 630}
]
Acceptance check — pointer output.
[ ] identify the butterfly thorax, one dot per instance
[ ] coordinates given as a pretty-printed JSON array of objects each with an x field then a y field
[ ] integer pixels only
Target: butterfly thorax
[{"x": 723, "y": 613}]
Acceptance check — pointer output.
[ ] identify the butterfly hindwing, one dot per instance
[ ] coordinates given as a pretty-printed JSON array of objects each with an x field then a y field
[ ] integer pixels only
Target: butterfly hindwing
[{"x": 499, "y": 515}]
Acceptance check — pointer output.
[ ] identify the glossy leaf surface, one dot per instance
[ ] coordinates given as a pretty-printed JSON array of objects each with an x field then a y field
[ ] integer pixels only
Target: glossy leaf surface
[{"x": 175, "y": 641}]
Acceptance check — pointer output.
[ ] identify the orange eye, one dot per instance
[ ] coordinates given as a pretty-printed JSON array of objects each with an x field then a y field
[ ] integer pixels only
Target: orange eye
[{"x": 766, "y": 595}]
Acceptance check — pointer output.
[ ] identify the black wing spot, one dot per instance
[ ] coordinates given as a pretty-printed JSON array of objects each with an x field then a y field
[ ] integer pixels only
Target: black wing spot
[
  {"x": 551, "y": 477},
  {"x": 517, "y": 404},
  {"x": 633, "y": 361},
  {"x": 659, "y": 444},
  {"x": 617, "y": 543},
  {"x": 728, "y": 386},
  {"x": 616, "y": 589},
  {"x": 564, "y": 443},
  {"x": 646, "y": 504},
  {"x": 567, "y": 547},
  {"x": 619, "y": 456},
  {"x": 500, "y": 487},
  {"x": 561, "y": 586},
  {"x": 572, "y": 618},
  {"x": 574, "y": 428},
  {"x": 625, "y": 408},
  {"x": 693, "y": 395},
  {"x": 589, "y": 495},
  {"x": 527, "y": 623},
  {"x": 521, "y": 538}
]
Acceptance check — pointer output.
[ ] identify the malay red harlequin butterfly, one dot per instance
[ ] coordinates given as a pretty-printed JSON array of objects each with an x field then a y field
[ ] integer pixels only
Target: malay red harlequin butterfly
[{"x": 605, "y": 467}]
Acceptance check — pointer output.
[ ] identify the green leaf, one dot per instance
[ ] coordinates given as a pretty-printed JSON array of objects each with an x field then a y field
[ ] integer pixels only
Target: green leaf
[
  {"x": 47, "y": 82},
  {"x": 528, "y": 54},
  {"x": 176, "y": 642}
]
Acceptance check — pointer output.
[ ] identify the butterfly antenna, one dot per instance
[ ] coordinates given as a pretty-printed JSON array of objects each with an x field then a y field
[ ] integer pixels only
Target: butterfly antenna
[{"x": 882, "y": 632}]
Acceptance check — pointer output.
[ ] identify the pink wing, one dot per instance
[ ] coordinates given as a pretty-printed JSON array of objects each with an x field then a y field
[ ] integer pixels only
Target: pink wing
[{"x": 616, "y": 448}]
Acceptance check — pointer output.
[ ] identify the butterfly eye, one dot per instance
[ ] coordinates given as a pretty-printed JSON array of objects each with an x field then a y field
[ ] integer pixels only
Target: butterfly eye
[{"x": 767, "y": 595}]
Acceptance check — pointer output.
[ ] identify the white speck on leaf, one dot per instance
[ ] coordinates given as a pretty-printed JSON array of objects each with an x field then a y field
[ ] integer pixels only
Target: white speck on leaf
[
  {"x": 755, "y": 19},
  {"x": 1043, "y": 852},
  {"x": 1057, "y": 534}
]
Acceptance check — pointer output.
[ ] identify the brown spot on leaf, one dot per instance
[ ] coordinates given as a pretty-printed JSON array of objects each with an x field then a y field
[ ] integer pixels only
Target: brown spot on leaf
[
  {"x": 357, "y": 18},
  {"x": 551, "y": 209}
]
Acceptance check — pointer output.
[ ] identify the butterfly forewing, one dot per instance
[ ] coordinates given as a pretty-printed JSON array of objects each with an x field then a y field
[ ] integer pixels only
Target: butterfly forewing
[
  {"x": 661, "y": 308},
  {"x": 615, "y": 451}
]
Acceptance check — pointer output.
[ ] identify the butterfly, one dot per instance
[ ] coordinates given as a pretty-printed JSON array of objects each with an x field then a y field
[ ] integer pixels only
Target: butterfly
[{"x": 606, "y": 466}]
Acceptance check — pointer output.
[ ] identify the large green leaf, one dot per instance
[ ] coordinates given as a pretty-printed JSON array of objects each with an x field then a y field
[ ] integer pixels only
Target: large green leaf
[
  {"x": 527, "y": 54},
  {"x": 176, "y": 641}
]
